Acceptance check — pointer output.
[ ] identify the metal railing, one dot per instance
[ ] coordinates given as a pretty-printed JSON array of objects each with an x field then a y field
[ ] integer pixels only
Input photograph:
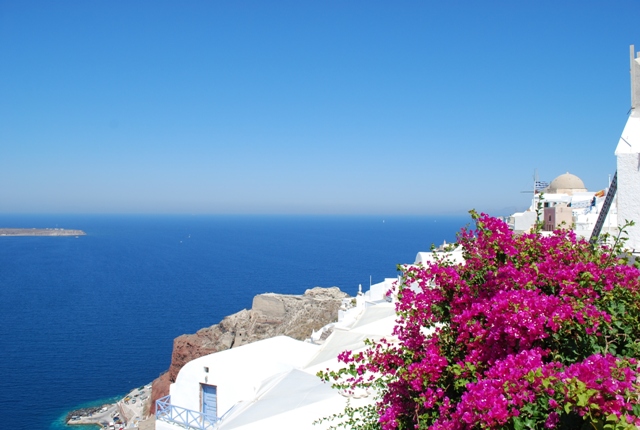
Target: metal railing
[
  {"x": 182, "y": 417},
  {"x": 611, "y": 192}
]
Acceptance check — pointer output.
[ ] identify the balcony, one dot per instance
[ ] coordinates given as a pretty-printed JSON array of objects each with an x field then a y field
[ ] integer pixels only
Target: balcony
[{"x": 182, "y": 417}]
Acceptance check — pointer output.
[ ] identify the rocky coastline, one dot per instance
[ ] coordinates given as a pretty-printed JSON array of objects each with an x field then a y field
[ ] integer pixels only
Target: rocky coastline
[
  {"x": 101, "y": 415},
  {"x": 77, "y": 414},
  {"x": 131, "y": 412},
  {"x": 271, "y": 314}
]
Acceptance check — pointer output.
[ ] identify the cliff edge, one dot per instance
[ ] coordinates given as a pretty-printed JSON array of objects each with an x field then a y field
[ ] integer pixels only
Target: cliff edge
[{"x": 270, "y": 315}]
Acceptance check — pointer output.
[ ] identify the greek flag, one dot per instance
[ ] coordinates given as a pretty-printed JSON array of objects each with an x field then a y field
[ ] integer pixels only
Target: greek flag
[{"x": 541, "y": 185}]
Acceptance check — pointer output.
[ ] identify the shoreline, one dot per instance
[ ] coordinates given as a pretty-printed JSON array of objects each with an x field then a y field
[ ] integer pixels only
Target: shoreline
[
  {"x": 129, "y": 412},
  {"x": 13, "y": 232},
  {"x": 96, "y": 416}
]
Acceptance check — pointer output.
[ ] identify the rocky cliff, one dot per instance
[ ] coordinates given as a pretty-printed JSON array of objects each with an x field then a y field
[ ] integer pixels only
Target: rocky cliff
[{"x": 270, "y": 315}]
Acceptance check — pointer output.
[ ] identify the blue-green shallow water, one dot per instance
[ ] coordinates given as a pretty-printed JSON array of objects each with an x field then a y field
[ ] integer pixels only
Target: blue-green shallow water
[{"x": 87, "y": 318}]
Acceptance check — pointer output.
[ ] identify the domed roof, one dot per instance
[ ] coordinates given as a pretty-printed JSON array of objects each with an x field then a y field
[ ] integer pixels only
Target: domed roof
[{"x": 567, "y": 181}]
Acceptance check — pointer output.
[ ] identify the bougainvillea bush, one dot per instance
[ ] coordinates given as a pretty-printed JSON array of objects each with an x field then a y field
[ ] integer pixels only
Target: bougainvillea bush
[{"x": 532, "y": 331}]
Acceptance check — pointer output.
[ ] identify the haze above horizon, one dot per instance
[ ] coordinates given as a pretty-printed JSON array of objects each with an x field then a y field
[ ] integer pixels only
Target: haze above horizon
[{"x": 285, "y": 107}]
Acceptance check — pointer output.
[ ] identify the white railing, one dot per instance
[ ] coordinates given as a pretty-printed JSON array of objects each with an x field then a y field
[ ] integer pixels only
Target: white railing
[{"x": 182, "y": 417}]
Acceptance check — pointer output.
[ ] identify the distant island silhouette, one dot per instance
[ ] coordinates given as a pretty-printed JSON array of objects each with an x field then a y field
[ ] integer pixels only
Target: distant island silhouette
[{"x": 40, "y": 232}]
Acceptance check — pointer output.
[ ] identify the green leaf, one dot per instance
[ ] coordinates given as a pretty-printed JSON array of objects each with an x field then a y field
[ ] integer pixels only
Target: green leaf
[
  {"x": 567, "y": 407},
  {"x": 518, "y": 424}
]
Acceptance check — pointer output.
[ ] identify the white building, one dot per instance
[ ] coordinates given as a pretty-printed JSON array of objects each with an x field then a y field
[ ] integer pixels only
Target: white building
[
  {"x": 272, "y": 383},
  {"x": 567, "y": 203},
  {"x": 628, "y": 160}
]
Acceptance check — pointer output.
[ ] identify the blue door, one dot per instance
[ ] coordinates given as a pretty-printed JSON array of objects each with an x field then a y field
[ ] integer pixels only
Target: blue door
[{"x": 210, "y": 402}]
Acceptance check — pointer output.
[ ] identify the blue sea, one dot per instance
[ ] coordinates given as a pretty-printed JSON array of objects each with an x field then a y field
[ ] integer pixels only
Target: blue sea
[{"x": 86, "y": 319}]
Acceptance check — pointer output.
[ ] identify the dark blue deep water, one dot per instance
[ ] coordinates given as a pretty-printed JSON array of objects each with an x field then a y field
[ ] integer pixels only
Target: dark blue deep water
[{"x": 89, "y": 318}]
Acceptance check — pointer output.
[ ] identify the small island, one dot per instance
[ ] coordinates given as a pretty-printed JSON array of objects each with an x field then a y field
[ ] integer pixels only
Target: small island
[{"x": 40, "y": 232}]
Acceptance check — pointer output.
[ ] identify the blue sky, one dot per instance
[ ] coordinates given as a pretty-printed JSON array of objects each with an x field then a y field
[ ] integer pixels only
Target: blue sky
[{"x": 306, "y": 107}]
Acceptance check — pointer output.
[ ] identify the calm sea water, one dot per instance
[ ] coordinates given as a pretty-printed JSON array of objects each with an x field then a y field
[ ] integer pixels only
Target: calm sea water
[{"x": 85, "y": 319}]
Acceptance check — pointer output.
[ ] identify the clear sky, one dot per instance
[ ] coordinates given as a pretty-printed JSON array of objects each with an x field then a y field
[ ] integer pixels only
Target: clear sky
[{"x": 306, "y": 107}]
